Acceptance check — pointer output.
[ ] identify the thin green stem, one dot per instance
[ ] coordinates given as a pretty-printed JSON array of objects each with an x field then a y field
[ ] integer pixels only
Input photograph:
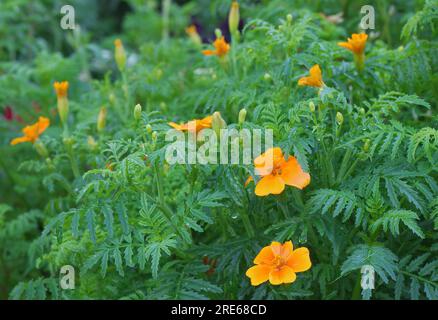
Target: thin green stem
[{"x": 247, "y": 224}]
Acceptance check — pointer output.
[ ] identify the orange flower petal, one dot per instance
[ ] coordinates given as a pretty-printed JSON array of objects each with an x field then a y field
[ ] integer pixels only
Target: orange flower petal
[
  {"x": 315, "y": 72},
  {"x": 345, "y": 45},
  {"x": 258, "y": 274},
  {"x": 221, "y": 48},
  {"x": 209, "y": 52},
  {"x": 299, "y": 260},
  {"x": 293, "y": 175},
  {"x": 276, "y": 248},
  {"x": 286, "y": 249},
  {"x": 206, "y": 122},
  {"x": 248, "y": 181},
  {"x": 281, "y": 275},
  {"x": 265, "y": 256},
  {"x": 356, "y": 43},
  {"x": 315, "y": 78},
  {"x": 19, "y": 140},
  {"x": 269, "y": 184},
  {"x": 43, "y": 124},
  {"x": 265, "y": 162},
  {"x": 176, "y": 126}
]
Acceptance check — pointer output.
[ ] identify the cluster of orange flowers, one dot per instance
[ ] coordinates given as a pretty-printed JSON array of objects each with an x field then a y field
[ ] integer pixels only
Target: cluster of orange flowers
[
  {"x": 31, "y": 133},
  {"x": 277, "y": 263}
]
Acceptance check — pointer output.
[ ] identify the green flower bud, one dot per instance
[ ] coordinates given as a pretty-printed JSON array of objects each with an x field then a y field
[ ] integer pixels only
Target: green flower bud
[
  {"x": 120, "y": 54},
  {"x": 137, "y": 112},
  {"x": 242, "y": 116},
  {"x": 366, "y": 145},
  {"x": 218, "y": 123},
  {"x": 218, "y": 33},
  {"x": 41, "y": 148},
  {"x": 92, "y": 144},
  {"x": 101, "y": 119},
  {"x": 148, "y": 128},
  {"x": 311, "y": 106},
  {"x": 339, "y": 118},
  {"x": 68, "y": 141},
  {"x": 234, "y": 18}
]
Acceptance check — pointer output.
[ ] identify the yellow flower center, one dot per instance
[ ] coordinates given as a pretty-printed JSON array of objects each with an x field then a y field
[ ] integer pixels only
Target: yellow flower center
[{"x": 279, "y": 261}]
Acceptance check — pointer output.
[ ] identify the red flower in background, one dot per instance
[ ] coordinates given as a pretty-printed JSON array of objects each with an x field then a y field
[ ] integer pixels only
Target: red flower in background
[
  {"x": 210, "y": 262},
  {"x": 8, "y": 114}
]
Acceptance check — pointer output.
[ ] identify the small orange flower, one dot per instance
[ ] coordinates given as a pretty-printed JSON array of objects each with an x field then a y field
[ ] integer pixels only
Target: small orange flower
[
  {"x": 119, "y": 54},
  {"x": 221, "y": 48},
  {"x": 61, "y": 88},
  {"x": 194, "y": 125},
  {"x": 315, "y": 78},
  {"x": 356, "y": 43},
  {"x": 118, "y": 43},
  {"x": 276, "y": 173},
  {"x": 279, "y": 264},
  {"x": 32, "y": 132},
  {"x": 190, "y": 30}
]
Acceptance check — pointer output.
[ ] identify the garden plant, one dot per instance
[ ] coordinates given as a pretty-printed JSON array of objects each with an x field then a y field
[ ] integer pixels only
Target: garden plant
[{"x": 338, "y": 200}]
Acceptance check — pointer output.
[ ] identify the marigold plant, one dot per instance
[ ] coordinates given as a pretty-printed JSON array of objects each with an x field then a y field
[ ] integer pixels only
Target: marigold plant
[{"x": 219, "y": 150}]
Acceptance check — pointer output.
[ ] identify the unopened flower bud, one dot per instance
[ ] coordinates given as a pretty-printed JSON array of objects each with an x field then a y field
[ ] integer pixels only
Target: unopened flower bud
[
  {"x": 120, "y": 54},
  {"x": 234, "y": 17},
  {"x": 41, "y": 148},
  {"x": 61, "y": 89},
  {"x": 137, "y": 112},
  {"x": 112, "y": 98},
  {"x": 218, "y": 123},
  {"x": 192, "y": 32},
  {"x": 218, "y": 33},
  {"x": 267, "y": 77},
  {"x": 50, "y": 164},
  {"x": 366, "y": 145},
  {"x": 68, "y": 141},
  {"x": 311, "y": 106},
  {"x": 242, "y": 116},
  {"x": 289, "y": 18},
  {"x": 101, "y": 119},
  {"x": 339, "y": 118},
  {"x": 154, "y": 136},
  {"x": 92, "y": 144},
  {"x": 148, "y": 128},
  {"x": 362, "y": 111}
]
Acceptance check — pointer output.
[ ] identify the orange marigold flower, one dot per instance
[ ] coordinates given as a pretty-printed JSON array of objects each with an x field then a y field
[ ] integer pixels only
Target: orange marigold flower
[
  {"x": 356, "y": 43},
  {"x": 279, "y": 264},
  {"x": 190, "y": 30},
  {"x": 315, "y": 78},
  {"x": 277, "y": 172},
  {"x": 120, "y": 54},
  {"x": 118, "y": 43},
  {"x": 221, "y": 48},
  {"x": 32, "y": 132},
  {"x": 194, "y": 125},
  {"x": 61, "y": 88}
]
